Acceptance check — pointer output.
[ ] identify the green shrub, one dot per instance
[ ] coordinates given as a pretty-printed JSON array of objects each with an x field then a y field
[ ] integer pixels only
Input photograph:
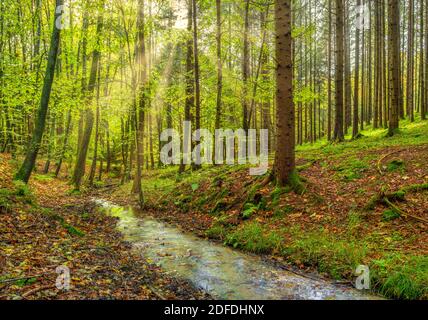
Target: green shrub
[
  {"x": 21, "y": 188},
  {"x": 217, "y": 231},
  {"x": 5, "y": 199},
  {"x": 249, "y": 210}
]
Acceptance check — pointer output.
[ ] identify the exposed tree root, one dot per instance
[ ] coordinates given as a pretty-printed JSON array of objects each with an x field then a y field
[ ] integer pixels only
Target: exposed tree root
[
  {"x": 379, "y": 163},
  {"x": 35, "y": 290},
  {"x": 388, "y": 198},
  {"x": 401, "y": 212}
]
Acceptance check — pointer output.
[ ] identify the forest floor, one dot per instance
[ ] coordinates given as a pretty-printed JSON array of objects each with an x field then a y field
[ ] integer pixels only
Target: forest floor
[
  {"x": 45, "y": 226},
  {"x": 340, "y": 222}
]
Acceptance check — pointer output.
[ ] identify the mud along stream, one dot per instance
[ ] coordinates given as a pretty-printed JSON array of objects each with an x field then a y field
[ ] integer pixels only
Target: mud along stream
[{"x": 222, "y": 272}]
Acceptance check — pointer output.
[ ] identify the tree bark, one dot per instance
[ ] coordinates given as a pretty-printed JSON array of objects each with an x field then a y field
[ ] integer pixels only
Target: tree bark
[
  {"x": 27, "y": 166},
  {"x": 357, "y": 76},
  {"x": 338, "y": 131},
  {"x": 285, "y": 163},
  {"x": 410, "y": 62},
  {"x": 80, "y": 167},
  {"x": 394, "y": 64}
]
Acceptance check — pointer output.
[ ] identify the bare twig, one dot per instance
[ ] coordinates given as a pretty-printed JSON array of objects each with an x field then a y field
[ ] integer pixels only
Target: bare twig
[{"x": 35, "y": 290}]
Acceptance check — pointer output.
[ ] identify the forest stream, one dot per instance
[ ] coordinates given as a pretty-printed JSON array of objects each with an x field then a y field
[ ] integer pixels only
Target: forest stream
[{"x": 222, "y": 272}]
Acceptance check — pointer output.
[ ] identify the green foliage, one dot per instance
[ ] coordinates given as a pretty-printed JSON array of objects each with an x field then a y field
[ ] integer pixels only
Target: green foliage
[
  {"x": 395, "y": 165},
  {"x": 43, "y": 177},
  {"x": 21, "y": 189},
  {"x": 249, "y": 210},
  {"x": 390, "y": 215},
  {"x": 220, "y": 206},
  {"x": 281, "y": 213},
  {"x": 329, "y": 254},
  {"x": 98, "y": 184},
  {"x": 351, "y": 169},
  {"x": 73, "y": 230},
  {"x": 354, "y": 219},
  {"x": 6, "y": 202},
  {"x": 401, "y": 277},
  {"x": 217, "y": 231},
  {"x": 25, "y": 282},
  {"x": 253, "y": 237}
]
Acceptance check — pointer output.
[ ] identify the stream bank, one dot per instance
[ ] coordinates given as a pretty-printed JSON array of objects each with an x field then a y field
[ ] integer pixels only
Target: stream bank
[{"x": 220, "y": 271}]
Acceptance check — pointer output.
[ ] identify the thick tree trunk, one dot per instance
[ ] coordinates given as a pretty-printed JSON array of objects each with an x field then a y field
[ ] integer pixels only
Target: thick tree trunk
[
  {"x": 421, "y": 95},
  {"x": 329, "y": 66},
  {"x": 140, "y": 106},
  {"x": 189, "y": 77},
  {"x": 285, "y": 163},
  {"x": 410, "y": 62},
  {"x": 338, "y": 131},
  {"x": 348, "y": 91},
  {"x": 425, "y": 104},
  {"x": 394, "y": 64}
]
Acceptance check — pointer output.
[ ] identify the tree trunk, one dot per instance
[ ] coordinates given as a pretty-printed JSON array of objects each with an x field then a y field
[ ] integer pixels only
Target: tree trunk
[
  {"x": 246, "y": 66},
  {"x": 285, "y": 163},
  {"x": 410, "y": 62},
  {"x": 394, "y": 64},
  {"x": 27, "y": 167},
  {"x": 338, "y": 131},
  {"x": 189, "y": 77},
  {"x": 219, "y": 67},
  {"x": 140, "y": 107},
  {"x": 357, "y": 76},
  {"x": 329, "y": 94},
  {"x": 80, "y": 167}
]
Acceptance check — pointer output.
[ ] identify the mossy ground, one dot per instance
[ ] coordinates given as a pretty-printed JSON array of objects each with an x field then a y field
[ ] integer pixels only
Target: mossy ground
[{"x": 327, "y": 227}]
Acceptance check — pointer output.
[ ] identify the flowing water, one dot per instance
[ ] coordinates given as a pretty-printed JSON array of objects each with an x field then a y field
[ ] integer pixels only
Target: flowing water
[{"x": 222, "y": 272}]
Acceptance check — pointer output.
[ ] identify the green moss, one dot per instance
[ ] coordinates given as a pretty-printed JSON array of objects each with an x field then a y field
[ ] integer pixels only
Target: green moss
[
  {"x": 73, "y": 230},
  {"x": 415, "y": 188},
  {"x": 296, "y": 184},
  {"x": 43, "y": 177},
  {"x": 390, "y": 215},
  {"x": 395, "y": 165}
]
